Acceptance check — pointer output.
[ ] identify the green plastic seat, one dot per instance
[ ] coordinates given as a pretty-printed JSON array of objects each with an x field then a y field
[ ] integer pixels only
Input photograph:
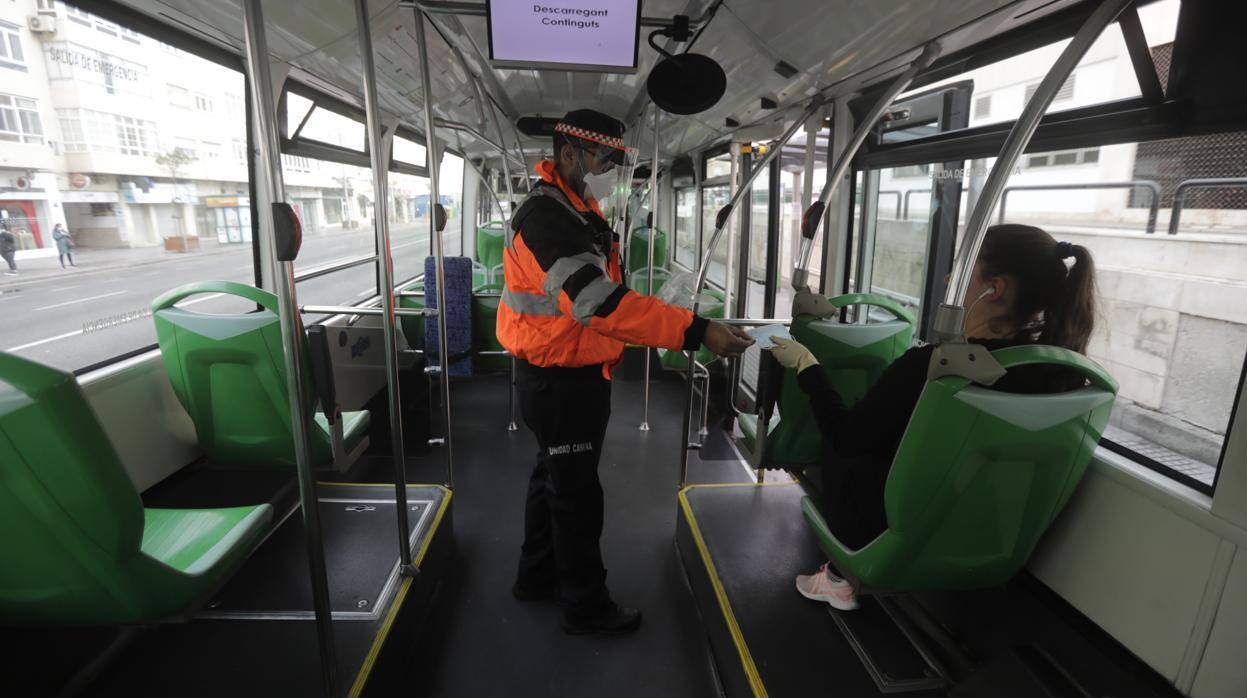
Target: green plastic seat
[
  {"x": 712, "y": 308},
  {"x": 489, "y": 244},
  {"x": 852, "y": 355},
  {"x": 979, "y": 476},
  {"x": 485, "y": 328},
  {"x": 79, "y": 548},
  {"x": 638, "y": 249},
  {"x": 639, "y": 281},
  {"x": 229, "y": 374}
]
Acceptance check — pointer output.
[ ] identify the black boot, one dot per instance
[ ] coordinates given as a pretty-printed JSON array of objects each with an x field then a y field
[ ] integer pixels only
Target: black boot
[{"x": 619, "y": 620}]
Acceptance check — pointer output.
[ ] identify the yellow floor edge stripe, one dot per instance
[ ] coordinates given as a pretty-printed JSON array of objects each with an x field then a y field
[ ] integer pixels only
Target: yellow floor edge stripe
[
  {"x": 377, "y": 642},
  {"x": 738, "y": 638}
]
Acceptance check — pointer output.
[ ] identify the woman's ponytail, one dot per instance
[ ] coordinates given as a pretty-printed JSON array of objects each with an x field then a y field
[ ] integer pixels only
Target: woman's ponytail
[
  {"x": 1052, "y": 303},
  {"x": 1070, "y": 316}
]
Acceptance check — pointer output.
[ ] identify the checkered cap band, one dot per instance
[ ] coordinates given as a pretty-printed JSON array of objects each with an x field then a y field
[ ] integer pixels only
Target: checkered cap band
[{"x": 616, "y": 143}]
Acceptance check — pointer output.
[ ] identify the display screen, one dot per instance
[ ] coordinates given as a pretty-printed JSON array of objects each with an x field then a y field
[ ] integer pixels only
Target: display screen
[{"x": 568, "y": 34}]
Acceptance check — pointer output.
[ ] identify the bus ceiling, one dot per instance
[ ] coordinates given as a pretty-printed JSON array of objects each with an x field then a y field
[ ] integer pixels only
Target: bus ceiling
[{"x": 776, "y": 56}]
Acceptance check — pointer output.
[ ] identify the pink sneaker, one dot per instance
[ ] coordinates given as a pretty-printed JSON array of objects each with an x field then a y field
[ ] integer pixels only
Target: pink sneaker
[{"x": 823, "y": 585}]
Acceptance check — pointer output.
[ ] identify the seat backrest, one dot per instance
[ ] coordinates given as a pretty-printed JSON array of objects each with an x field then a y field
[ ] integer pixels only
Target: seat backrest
[
  {"x": 980, "y": 473},
  {"x": 229, "y": 373},
  {"x": 489, "y": 243},
  {"x": 67, "y": 506},
  {"x": 853, "y": 357},
  {"x": 638, "y": 250}
]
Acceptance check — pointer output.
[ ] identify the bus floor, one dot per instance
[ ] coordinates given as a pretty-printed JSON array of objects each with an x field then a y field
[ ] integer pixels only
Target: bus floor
[{"x": 493, "y": 645}]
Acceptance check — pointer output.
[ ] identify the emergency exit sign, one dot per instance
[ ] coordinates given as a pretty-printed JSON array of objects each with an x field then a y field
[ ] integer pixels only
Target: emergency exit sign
[{"x": 599, "y": 35}]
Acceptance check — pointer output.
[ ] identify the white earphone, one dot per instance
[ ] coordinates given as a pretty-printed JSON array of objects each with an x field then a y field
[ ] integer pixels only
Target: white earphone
[{"x": 987, "y": 292}]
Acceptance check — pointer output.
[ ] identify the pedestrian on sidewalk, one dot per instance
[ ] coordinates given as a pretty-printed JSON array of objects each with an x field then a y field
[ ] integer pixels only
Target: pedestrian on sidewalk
[
  {"x": 64, "y": 244},
  {"x": 8, "y": 248}
]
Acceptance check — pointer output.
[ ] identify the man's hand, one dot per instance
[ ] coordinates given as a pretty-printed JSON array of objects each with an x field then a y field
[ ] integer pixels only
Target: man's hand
[
  {"x": 792, "y": 354},
  {"x": 726, "y": 340}
]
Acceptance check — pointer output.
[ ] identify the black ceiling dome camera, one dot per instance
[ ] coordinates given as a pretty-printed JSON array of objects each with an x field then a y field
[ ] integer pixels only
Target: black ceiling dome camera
[{"x": 685, "y": 83}]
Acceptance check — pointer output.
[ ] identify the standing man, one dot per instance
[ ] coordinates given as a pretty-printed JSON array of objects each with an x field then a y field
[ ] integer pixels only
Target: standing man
[
  {"x": 8, "y": 248},
  {"x": 565, "y": 317}
]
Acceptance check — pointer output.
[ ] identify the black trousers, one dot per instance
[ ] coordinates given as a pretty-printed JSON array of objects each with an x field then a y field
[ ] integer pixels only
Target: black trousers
[
  {"x": 8, "y": 258},
  {"x": 567, "y": 409}
]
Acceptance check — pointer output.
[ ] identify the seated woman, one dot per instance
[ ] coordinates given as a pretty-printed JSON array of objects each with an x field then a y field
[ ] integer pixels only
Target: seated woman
[{"x": 1021, "y": 292}]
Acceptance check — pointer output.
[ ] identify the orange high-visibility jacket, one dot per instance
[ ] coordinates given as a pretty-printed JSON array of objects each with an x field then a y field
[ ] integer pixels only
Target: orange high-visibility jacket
[{"x": 564, "y": 303}]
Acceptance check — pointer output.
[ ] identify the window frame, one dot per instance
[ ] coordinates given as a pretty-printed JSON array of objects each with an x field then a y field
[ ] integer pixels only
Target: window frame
[
  {"x": 11, "y": 37},
  {"x": 20, "y": 116},
  {"x": 1150, "y": 117}
]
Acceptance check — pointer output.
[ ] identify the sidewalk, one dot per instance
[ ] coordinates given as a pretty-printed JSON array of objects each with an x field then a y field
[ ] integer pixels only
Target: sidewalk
[{"x": 45, "y": 264}]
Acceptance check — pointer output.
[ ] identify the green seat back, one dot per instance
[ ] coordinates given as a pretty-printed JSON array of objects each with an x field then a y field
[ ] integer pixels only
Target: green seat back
[
  {"x": 852, "y": 355},
  {"x": 638, "y": 250},
  {"x": 674, "y": 360},
  {"x": 639, "y": 281},
  {"x": 229, "y": 373},
  {"x": 485, "y": 328},
  {"x": 979, "y": 476},
  {"x": 489, "y": 243},
  {"x": 75, "y": 527}
]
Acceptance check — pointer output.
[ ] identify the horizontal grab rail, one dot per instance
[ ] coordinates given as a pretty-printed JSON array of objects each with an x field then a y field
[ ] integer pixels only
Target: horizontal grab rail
[{"x": 356, "y": 310}]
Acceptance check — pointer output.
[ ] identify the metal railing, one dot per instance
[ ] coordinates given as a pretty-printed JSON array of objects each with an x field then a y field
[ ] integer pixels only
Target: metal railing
[
  {"x": 1179, "y": 194},
  {"x": 1152, "y": 212},
  {"x": 892, "y": 192},
  {"x": 905, "y": 206}
]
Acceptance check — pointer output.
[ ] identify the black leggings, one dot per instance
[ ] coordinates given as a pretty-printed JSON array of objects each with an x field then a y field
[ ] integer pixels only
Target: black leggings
[
  {"x": 852, "y": 496},
  {"x": 9, "y": 257},
  {"x": 69, "y": 255}
]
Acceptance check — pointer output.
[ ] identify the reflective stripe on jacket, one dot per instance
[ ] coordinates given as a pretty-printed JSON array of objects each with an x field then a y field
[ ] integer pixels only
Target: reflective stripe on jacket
[{"x": 563, "y": 303}]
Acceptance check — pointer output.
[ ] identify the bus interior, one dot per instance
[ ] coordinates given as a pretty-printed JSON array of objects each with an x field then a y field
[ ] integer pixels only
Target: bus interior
[{"x": 283, "y": 357}]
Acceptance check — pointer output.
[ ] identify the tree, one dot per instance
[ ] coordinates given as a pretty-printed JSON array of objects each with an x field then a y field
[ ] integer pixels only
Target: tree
[{"x": 174, "y": 161}]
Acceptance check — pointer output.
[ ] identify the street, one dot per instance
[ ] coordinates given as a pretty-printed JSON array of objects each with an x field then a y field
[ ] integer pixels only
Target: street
[{"x": 99, "y": 309}]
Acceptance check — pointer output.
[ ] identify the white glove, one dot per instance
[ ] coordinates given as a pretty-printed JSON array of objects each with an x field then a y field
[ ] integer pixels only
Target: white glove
[{"x": 792, "y": 354}]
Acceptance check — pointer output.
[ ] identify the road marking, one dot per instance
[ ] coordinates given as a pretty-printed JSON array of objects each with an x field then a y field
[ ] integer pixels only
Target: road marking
[
  {"x": 365, "y": 292},
  {"x": 63, "y": 288},
  {"x": 201, "y": 300},
  {"x": 44, "y": 341},
  {"x": 78, "y": 300}
]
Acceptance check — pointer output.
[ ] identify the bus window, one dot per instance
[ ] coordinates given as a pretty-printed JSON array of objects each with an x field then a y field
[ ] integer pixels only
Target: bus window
[
  {"x": 759, "y": 222},
  {"x": 686, "y": 227},
  {"x": 1172, "y": 325},
  {"x": 713, "y": 199},
  {"x": 334, "y": 202},
  {"x": 1105, "y": 73},
  {"x": 791, "y": 197},
  {"x": 450, "y": 192},
  {"x": 143, "y": 165}
]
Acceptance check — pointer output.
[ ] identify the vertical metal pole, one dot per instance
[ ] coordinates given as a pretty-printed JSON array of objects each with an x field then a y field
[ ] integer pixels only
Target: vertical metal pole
[
  {"x": 625, "y": 235},
  {"x": 720, "y": 224},
  {"x": 378, "y": 148},
  {"x": 291, "y": 329},
  {"x": 800, "y": 274},
  {"x": 949, "y": 319},
  {"x": 839, "y": 211},
  {"x": 506, "y": 169},
  {"x": 653, "y": 227},
  {"x": 430, "y": 138}
]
